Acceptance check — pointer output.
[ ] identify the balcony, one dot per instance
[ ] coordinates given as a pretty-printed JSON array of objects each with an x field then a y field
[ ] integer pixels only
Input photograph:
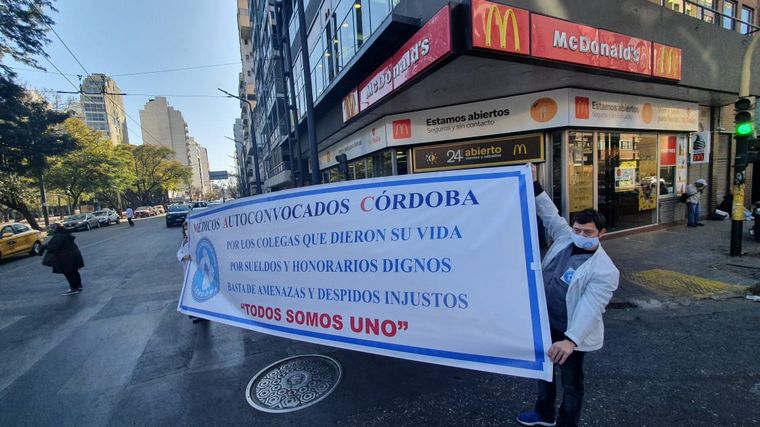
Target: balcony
[
  {"x": 707, "y": 14},
  {"x": 244, "y": 24},
  {"x": 279, "y": 176}
]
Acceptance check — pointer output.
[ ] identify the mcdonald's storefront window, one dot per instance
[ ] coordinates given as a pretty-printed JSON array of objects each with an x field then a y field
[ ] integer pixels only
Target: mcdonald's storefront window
[{"x": 375, "y": 165}]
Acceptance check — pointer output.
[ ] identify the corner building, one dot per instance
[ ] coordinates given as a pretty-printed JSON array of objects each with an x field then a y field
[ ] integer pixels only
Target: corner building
[{"x": 620, "y": 103}]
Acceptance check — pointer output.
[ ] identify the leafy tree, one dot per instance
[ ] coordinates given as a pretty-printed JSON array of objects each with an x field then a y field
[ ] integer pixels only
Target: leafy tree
[
  {"x": 17, "y": 193},
  {"x": 23, "y": 28},
  {"x": 96, "y": 166},
  {"x": 156, "y": 172}
]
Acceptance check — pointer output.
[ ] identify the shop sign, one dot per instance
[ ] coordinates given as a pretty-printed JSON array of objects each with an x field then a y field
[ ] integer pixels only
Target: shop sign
[
  {"x": 493, "y": 117},
  {"x": 504, "y": 151},
  {"x": 667, "y": 61},
  {"x": 368, "y": 140},
  {"x": 610, "y": 110},
  {"x": 350, "y": 105},
  {"x": 500, "y": 27},
  {"x": 699, "y": 144},
  {"x": 668, "y": 151},
  {"x": 428, "y": 45},
  {"x": 564, "y": 41}
]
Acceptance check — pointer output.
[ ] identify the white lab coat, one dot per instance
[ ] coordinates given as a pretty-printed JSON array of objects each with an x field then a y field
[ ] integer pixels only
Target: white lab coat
[
  {"x": 591, "y": 287},
  {"x": 184, "y": 249}
]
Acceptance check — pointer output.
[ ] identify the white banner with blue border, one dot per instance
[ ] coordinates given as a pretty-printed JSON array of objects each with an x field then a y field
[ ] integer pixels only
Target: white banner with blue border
[{"x": 441, "y": 268}]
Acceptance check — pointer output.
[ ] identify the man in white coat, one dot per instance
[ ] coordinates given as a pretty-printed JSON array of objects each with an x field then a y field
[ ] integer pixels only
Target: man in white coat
[{"x": 579, "y": 279}]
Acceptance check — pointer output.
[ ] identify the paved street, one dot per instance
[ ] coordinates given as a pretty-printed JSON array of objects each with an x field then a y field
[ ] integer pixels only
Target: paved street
[{"x": 120, "y": 354}]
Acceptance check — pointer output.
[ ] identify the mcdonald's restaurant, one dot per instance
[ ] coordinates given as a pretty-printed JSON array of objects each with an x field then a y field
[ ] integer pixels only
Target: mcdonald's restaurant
[{"x": 620, "y": 120}]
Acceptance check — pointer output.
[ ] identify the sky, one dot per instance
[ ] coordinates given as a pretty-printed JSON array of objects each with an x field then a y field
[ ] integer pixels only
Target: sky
[{"x": 120, "y": 37}]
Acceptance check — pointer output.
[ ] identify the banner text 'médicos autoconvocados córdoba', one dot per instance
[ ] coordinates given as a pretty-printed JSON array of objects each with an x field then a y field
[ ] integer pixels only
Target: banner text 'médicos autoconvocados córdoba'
[{"x": 381, "y": 202}]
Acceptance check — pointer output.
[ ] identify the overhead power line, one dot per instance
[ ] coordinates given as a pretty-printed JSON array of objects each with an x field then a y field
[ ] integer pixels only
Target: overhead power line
[{"x": 168, "y": 70}]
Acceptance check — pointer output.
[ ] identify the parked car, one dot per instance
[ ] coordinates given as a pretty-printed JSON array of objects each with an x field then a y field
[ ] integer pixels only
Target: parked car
[
  {"x": 16, "y": 239},
  {"x": 159, "y": 209},
  {"x": 177, "y": 214},
  {"x": 144, "y": 212},
  {"x": 107, "y": 216},
  {"x": 83, "y": 221}
]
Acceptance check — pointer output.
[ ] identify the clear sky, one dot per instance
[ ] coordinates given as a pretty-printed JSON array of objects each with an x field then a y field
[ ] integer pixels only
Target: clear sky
[{"x": 119, "y": 37}]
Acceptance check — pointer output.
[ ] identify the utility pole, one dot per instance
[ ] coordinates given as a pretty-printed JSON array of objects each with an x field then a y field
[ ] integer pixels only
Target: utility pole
[{"x": 253, "y": 140}]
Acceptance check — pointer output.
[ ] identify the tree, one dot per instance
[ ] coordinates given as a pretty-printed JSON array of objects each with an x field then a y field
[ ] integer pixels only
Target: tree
[
  {"x": 96, "y": 166},
  {"x": 156, "y": 172},
  {"x": 23, "y": 28},
  {"x": 17, "y": 193}
]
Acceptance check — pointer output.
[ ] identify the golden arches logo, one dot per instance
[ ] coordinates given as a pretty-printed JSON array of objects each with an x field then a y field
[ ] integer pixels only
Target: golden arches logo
[
  {"x": 668, "y": 62},
  {"x": 519, "y": 149},
  {"x": 502, "y": 21},
  {"x": 350, "y": 106}
]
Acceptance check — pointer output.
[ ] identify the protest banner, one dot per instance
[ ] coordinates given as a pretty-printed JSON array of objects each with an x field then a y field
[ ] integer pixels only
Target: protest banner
[{"x": 440, "y": 267}]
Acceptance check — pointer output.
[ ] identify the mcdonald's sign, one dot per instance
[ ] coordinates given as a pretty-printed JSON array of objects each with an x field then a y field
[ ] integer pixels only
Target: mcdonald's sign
[
  {"x": 582, "y": 107},
  {"x": 402, "y": 129},
  {"x": 350, "y": 105},
  {"x": 500, "y": 27},
  {"x": 667, "y": 61}
]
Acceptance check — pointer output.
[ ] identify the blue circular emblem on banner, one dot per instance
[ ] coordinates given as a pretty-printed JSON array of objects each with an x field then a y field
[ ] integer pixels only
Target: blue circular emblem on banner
[{"x": 206, "y": 278}]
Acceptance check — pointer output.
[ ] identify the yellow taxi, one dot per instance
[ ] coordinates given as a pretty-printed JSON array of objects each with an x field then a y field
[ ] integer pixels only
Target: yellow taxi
[{"x": 19, "y": 239}]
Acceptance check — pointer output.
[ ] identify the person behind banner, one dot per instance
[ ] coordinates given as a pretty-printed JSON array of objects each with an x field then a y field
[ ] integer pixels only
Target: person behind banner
[
  {"x": 183, "y": 256},
  {"x": 579, "y": 279}
]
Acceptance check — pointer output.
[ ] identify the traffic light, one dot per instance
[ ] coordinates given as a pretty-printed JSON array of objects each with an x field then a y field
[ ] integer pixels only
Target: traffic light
[
  {"x": 744, "y": 130},
  {"x": 743, "y": 119},
  {"x": 342, "y": 160}
]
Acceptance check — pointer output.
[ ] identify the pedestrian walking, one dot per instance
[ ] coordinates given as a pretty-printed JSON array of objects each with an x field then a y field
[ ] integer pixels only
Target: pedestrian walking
[
  {"x": 183, "y": 256},
  {"x": 130, "y": 216},
  {"x": 579, "y": 279},
  {"x": 64, "y": 256},
  {"x": 694, "y": 193}
]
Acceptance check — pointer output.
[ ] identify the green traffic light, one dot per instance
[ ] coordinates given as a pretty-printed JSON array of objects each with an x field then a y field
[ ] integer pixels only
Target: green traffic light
[{"x": 744, "y": 129}]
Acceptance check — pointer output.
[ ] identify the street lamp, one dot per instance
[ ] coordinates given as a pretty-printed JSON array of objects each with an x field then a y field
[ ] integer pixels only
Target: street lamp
[{"x": 255, "y": 146}]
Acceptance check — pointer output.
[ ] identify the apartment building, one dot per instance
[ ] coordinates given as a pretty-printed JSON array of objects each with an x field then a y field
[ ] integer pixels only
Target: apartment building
[
  {"x": 620, "y": 103},
  {"x": 102, "y": 106}
]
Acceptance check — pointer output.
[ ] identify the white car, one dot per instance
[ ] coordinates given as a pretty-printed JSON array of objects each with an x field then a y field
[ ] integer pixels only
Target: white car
[{"x": 107, "y": 216}]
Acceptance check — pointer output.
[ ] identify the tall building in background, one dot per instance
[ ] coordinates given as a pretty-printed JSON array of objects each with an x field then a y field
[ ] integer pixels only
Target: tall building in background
[
  {"x": 241, "y": 156},
  {"x": 163, "y": 125},
  {"x": 103, "y": 107}
]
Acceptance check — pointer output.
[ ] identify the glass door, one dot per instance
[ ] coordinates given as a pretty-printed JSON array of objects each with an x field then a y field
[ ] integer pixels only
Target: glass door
[
  {"x": 627, "y": 179},
  {"x": 580, "y": 171}
]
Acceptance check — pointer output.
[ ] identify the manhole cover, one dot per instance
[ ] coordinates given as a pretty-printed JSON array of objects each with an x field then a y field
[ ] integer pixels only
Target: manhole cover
[{"x": 293, "y": 383}]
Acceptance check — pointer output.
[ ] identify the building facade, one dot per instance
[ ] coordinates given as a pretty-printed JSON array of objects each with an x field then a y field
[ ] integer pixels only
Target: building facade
[
  {"x": 163, "y": 125},
  {"x": 102, "y": 106},
  {"x": 620, "y": 103}
]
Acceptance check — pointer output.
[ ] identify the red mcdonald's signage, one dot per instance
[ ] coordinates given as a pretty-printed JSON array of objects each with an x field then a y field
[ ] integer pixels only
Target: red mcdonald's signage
[
  {"x": 500, "y": 27},
  {"x": 402, "y": 129},
  {"x": 553, "y": 38},
  {"x": 667, "y": 61}
]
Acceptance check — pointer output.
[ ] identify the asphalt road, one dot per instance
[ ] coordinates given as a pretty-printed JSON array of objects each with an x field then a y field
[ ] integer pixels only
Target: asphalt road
[{"x": 120, "y": 354}]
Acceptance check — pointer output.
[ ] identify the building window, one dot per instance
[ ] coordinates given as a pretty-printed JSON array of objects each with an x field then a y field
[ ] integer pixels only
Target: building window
[
  {"x": 729, "y": 11},
  {"x": 748, "y": 17}
]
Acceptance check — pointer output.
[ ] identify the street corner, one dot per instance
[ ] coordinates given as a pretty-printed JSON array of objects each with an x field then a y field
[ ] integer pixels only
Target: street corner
[{"x": 672, "y": 284}]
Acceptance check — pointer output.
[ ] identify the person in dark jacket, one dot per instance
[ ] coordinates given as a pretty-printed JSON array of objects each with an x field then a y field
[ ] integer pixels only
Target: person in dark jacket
[{"x": 65, "y": 258}]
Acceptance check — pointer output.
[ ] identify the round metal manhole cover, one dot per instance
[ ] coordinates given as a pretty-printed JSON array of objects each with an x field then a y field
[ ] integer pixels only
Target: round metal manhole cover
[{"x": 293, "y": 383}]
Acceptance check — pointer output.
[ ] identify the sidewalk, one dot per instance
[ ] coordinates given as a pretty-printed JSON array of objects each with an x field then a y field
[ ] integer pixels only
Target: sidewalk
[{"x": 678, "y": 263}]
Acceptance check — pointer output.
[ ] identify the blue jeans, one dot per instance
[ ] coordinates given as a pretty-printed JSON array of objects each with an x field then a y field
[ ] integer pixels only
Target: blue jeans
[
  {"x": 572, "y": 389},
  {"x": 692, "y": 213}
]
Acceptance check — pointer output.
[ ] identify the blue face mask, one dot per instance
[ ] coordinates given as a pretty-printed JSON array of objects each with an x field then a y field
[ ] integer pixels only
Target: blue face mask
[{"x": 585, "y": 242}]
